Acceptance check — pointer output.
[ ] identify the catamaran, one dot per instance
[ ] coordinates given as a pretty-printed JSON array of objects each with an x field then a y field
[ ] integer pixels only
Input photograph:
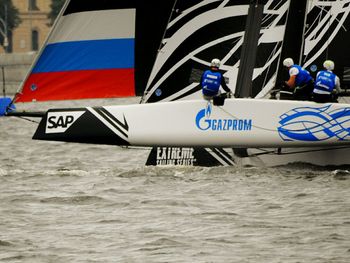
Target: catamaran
[{"x": 99, "y": 49}]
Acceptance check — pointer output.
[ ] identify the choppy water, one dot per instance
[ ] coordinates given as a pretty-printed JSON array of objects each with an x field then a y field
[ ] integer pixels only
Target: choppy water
[{"x": 64, "y": 202}]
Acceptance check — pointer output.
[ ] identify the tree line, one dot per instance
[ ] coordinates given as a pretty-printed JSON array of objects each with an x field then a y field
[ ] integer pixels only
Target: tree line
[{"x": 9, "y": 18}]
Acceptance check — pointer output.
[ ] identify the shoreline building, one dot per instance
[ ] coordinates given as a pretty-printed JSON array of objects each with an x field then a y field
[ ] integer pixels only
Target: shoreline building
[
  {"x": 32, "y": 31},
  {"x": 24, "y": 43}
]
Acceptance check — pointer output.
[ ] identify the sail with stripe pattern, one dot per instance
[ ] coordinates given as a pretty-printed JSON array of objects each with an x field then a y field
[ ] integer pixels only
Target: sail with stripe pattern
[
  {"x": 96, "y": 49},
  {"x": 199, "y": 31},
  {"x": 81, "y": 55}
]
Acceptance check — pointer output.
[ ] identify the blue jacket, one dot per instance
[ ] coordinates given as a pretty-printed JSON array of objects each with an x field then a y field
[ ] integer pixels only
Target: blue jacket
[
  {"x": 211, "y": 82},
  {"x": 325, "y": 82},
  {"x": 303, "y": 77}
]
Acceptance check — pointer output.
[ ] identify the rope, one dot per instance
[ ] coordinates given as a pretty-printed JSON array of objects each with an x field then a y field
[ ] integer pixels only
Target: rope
[
  {"x": 272, "y": 130},
  {"x": 235, "y": 117},
  {"x": 295, "y": 152},
  {"x": 26, "y": 119}
]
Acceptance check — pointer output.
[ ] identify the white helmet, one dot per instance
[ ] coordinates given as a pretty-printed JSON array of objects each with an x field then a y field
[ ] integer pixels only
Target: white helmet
[
  {"x": 328, "y": 64},
  {"x": 288, "y": 62},
  {"x": 215, "y": 63}
]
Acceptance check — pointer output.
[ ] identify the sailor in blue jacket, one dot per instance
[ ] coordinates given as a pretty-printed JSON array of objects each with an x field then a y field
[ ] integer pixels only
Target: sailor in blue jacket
[
  {"x": 300, "y": 80},
  {"x": 326, "y": 84},
  {"x": 212, "y": 79}
]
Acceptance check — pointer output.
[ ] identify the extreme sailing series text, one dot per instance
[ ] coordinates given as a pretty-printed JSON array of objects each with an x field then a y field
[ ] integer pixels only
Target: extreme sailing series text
[{"x": 175, "y": 156}]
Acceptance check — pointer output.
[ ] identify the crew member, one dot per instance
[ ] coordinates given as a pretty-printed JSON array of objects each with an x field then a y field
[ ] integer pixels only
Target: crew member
[
  {"x": 327, "y": 84},
  {"x": 300, "y": 81},
  {"x": 212, "y": 79}
]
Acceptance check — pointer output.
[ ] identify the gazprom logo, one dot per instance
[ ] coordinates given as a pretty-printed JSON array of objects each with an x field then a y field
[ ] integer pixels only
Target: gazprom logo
[{"x": 204, "y": 122}]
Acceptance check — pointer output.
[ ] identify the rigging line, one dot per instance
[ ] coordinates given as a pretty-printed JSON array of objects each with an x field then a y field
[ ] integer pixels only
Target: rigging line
[
  {"x": 146, "y": 91},
  {"x": 3, "y": 81},
  {"x": 235, "y": 117},
  {"x": 297, "y": 152},
  {"x": 26, "y": 119},
  {"x": 266, "y": 129},
  {"x": 38, "y": 55},
  {"x": 328, "y": 33},
  {"x": 302, "y": 47},
  {"x": 135, "y": 147},
  {"x": 264, "y": 152},
  {"x": 275, "y": 50}
]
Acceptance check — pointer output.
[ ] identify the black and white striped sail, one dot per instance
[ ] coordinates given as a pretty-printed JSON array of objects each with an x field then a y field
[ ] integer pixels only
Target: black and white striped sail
[
  {"x": 201, "y": 30},
  {"x": 327, "y": 35},
  {"x": 323, "y": 35}
]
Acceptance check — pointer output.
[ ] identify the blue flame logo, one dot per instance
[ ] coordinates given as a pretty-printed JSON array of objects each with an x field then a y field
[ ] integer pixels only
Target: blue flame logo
[
  {"x": 315, "y": 124},
  {"x": 205, "y": 122},
  {"x": 208, "y": 110},
  {"x": 201, "y": 114}
]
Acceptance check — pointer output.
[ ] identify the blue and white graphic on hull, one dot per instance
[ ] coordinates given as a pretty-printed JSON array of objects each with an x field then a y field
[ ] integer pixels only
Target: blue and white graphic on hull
[{"x": 315, "y": 124}]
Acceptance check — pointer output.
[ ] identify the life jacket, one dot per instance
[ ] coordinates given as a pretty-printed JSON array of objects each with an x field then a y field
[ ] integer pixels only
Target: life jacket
[
  {"x": 211, "y": 82},
  {"x": 325, "y": 82},
  {"x": 303, "y": 77}
]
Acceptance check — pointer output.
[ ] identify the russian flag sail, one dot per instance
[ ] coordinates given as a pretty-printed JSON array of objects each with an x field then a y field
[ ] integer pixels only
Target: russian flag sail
[{"x": 90, "y": 53}]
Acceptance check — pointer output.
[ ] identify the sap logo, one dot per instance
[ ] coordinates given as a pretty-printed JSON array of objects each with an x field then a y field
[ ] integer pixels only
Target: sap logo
[
  {"x": 204, "y": 122},
  {"x": 59, "y": 122}
]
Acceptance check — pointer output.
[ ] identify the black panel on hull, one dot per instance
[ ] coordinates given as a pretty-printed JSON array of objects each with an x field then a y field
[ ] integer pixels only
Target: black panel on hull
[{"x": 86, "y": 129}]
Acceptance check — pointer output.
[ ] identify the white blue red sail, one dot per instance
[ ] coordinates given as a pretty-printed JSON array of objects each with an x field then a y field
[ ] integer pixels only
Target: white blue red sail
[{"x": 90, "y": 53}]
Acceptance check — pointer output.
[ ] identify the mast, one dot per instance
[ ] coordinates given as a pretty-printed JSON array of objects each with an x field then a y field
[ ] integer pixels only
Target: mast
[
  {"x": 293, "y": 43},
  {"x": 249, "y": 49}
]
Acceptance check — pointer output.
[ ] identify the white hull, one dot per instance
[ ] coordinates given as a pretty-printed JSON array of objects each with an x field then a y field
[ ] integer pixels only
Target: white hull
[
  {"x": 239, "y": 123},
  {"x": 242, "y": 123}
]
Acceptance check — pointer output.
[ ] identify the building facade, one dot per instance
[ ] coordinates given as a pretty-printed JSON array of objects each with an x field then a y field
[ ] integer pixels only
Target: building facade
[{"x": 32, "y": 32}]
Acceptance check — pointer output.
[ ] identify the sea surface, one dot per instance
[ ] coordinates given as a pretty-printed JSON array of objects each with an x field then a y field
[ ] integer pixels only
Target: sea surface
[{"x": 66, "y": 202}]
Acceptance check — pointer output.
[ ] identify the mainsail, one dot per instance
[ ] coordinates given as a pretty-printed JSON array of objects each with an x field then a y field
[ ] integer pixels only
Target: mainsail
[
  {"x": 96, "y": 49},
  {"x": 327, "y": 36},
  {"x": 318, "y": 30},
  {"x": 201, "y": 30}
]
